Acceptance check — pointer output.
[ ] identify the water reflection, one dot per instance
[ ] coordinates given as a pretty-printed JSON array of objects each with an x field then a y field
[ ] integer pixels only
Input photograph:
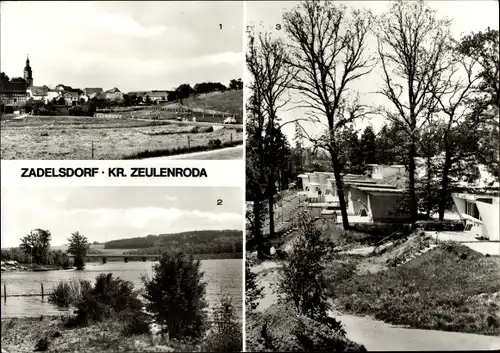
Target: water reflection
[{"x": 222, "y": 276}]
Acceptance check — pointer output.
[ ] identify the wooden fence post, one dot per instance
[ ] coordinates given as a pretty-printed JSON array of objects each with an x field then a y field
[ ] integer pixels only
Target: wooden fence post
[
  {"x": 41, "y": 285},
  {"x": 189, "y": 142},
  {"x": 5, "y": 291}
]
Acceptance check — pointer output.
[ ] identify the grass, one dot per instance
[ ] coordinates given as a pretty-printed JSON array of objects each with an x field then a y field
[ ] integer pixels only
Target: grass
[
  {"x": 74, "y": 137},
  {"x": 230, "y": 101},
  {"x": 22, "y": 334},
  {"x": 443, "y": 289},
  {"x": 181, "y": 150}
]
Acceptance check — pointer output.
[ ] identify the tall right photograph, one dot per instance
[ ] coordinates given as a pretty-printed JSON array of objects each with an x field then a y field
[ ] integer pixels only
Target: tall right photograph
[{"x": 372, "y": 176}]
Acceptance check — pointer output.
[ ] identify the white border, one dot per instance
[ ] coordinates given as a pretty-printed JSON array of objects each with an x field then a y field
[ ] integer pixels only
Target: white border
[
  {"x": 228, "y": 173},
  {"x": 244, "y": 25}
]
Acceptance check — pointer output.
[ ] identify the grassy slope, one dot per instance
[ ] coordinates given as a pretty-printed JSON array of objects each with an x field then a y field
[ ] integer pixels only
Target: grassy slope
[
  {"x": 438, "y": 290},
  {"x": 230, "y": 101}
]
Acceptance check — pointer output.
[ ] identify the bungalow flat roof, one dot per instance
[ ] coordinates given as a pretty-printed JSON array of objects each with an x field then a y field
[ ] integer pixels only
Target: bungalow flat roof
[
  {"x": 360, "y": 181},
  {"x": 374, "y": 189},
  {"x": 380, "y": 186},
  {"x": 467, "y": 196}
]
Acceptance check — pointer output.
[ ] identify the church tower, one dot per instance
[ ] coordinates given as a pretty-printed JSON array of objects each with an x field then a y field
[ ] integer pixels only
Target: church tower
[{"x": 28, "y": 76}]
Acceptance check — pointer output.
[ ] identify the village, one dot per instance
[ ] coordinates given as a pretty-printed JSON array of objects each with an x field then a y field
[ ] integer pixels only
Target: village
[{"x": 203, "y": 121}]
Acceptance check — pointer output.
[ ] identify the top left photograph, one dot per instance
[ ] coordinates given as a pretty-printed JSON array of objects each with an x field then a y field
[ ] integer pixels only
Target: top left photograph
[{"x": 121, "y": 80}]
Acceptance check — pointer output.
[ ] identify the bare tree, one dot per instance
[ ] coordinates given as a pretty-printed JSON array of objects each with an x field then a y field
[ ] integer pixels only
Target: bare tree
[
  {"x": 266, "y": 60},
  {"x": 453, "y": 91},
  {"x": 412, "y": 44},
  {"x": 327, "y": 51}
]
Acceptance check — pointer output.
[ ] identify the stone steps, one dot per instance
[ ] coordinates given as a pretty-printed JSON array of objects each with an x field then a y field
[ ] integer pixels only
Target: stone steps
[{"x": 417, "y": 254}]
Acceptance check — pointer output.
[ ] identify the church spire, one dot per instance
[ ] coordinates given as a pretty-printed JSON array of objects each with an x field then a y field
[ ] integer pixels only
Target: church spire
[{"x": 28, "y": 74}]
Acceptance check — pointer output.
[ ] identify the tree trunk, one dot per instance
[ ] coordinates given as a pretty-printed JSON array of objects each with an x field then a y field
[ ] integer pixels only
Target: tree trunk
[
  {"x": 340, "y": 191},
  {"x": 429, "y": 187},
  {"x": 257, "y": 210},
  {"x": 411, "y": 187},
  {"x": 271, "y": 187},
  {"x": 444, "y": 183}
]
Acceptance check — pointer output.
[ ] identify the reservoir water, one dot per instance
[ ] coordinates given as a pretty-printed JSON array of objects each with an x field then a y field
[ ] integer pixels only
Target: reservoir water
[{"x": 221, "y": 276}]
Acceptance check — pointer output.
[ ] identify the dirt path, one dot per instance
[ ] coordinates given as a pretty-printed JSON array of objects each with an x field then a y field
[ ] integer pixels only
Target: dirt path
[{"x": 377, "y": 335}]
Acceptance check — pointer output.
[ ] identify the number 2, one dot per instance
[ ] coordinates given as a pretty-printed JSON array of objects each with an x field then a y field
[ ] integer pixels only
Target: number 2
[{"x": 219, "y": 202}]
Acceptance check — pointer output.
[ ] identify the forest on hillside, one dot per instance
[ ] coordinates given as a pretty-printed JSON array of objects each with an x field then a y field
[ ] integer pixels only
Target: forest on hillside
[{"x": 195, "y": 242}]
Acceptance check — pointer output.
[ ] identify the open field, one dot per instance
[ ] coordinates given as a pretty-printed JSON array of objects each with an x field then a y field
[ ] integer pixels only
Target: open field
[
  {"x": 75, "y": 137},
  {"x": 230, "y": 101}
]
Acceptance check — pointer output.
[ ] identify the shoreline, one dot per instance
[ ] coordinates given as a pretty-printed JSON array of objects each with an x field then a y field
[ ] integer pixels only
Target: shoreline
[{"x": 22, "y": 267}]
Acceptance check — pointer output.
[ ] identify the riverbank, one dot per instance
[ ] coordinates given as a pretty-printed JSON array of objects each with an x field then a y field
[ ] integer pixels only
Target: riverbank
[
  {"x": 98, "y": 258},
  {"x": 23, "y": 334}
]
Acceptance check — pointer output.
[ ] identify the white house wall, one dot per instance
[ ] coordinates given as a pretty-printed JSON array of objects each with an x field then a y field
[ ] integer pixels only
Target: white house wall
[{"x": 490, "y": 217}]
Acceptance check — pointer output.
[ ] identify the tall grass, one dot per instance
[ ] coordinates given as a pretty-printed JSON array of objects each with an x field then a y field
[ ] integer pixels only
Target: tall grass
[{"x": 69, "y": 293}]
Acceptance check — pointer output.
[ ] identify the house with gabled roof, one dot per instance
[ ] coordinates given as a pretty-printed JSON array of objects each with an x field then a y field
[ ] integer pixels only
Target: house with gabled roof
[
  {"x": 92, "y": 92},
  {"x": 38, "y": 93},
  {"x": 114, "y": 94}
]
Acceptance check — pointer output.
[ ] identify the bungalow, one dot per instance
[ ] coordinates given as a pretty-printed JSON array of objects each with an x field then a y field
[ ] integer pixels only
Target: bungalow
[{"x": 480, "y": 213}]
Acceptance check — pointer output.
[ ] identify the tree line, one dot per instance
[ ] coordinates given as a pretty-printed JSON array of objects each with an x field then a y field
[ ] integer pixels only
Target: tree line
[
  {"x": 195, "y": 242},
  {"x": 35, "y": 248},
  {"x": 440, "y": 95},
  {"x": 88, "y": 108}
]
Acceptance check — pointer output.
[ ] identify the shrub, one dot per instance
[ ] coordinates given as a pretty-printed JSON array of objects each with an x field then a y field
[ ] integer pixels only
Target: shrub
[
  {"x": 65, "y": 294},
  {"x": 381, "y": 229},
  {"x": 282, "y": 329},
  {"x": 226, "y": 335},
  {"x": 176, "y": 295},
  {"x": 136, "y": 323},
  {"x": 109, "y": 296},
  {"x": 302, "y": 283},
  {"x": 252, "y": 291}
]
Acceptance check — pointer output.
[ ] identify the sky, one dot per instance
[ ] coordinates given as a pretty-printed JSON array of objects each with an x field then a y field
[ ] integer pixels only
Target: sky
[
  {"x": 129, "y": 45},
  {"x": 467, "y": 16},
  {"x": 104, "y": 213}
]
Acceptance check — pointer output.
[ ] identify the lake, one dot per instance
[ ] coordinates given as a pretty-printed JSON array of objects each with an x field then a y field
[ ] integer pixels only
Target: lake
[{"x": 221, "y": 276}]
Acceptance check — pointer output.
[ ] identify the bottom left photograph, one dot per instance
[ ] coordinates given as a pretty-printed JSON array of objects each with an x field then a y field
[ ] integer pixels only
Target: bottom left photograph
[{"x": 120, "y": 269}]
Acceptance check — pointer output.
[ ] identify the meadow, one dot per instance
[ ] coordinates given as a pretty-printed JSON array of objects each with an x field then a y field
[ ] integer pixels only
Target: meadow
[{"x": 69, "y": 137}]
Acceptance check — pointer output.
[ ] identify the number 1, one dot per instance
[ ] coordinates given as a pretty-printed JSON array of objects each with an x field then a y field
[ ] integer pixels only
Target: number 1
[{"x": 220, "y": 26}]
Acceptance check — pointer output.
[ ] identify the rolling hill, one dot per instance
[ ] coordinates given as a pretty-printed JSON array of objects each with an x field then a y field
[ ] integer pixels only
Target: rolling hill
[
  {"x": 229, "y": 101},
  {"x": 197, "y": 242}
]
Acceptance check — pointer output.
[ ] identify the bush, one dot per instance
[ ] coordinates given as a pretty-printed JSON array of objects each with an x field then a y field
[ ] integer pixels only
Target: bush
[
  {"x": 226, "y": 335},
  {"x": 439, "y": 226},
  {"x": 176, "y": 295},
  {"x": 302, "y": 283},
  {"x": 108, "y": 297},
  {"x": 252, "y": 290},
  {"x": 136, "y": 323},
  {"x": 282, "y": 329},
  {"x": 214, "y": 143},
  {"x": 68, "y": 293},
  {"x": 381, "y": 229}
]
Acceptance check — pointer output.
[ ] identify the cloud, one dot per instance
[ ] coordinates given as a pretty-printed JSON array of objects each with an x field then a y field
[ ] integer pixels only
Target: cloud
[{"x": 171, "y": 198}]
